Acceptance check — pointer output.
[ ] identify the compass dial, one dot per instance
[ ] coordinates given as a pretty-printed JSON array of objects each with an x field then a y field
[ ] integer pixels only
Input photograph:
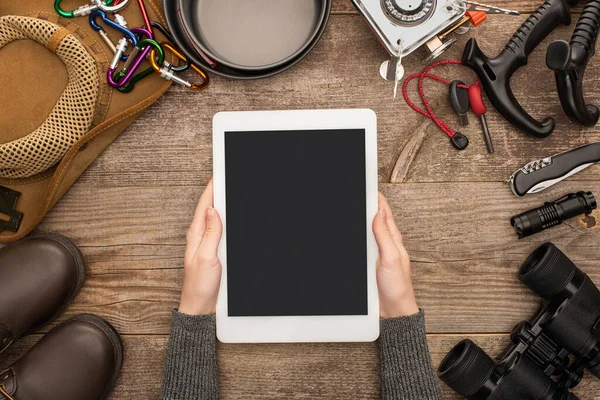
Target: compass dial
[{"x": 409, "y": 11}]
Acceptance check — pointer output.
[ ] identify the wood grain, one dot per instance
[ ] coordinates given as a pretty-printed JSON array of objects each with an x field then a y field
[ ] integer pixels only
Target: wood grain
[
  {"x": 465, "y": 254},
  {"x": 299, "y": 371},
  {"x": 129, "y": 212},
  {"x": 171, "y": 144}
]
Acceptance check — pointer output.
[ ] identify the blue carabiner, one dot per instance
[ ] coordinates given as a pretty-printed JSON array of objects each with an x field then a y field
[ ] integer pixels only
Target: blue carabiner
[{"x": 109, "y": 22}]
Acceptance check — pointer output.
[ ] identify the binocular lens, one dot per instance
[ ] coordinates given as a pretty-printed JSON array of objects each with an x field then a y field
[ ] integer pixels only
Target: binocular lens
[
  {"x": 466, "y": 369},
  {"x": 547, "y": 271}
]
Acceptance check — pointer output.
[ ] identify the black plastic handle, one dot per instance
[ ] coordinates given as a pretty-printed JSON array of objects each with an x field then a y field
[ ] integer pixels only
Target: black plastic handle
[
  {"x": 561, "y": 166},
  {"x": 537, "y": 27},
  {"x": 569, "y": 61},
  {"x": 495, "y": 73}
]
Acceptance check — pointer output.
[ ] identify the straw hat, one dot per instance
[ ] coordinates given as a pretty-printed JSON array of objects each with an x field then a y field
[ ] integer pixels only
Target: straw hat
[{"x": 57, "y": 111}]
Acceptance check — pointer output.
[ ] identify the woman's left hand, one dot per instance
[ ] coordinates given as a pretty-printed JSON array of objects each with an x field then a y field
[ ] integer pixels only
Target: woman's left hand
[{"x": 396, "y": 294}]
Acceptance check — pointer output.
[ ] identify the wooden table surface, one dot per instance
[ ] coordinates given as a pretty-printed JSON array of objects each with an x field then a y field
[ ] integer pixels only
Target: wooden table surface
[{"x": 129, "y": 213}]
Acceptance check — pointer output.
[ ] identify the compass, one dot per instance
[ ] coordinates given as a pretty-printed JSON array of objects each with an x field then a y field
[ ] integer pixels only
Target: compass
[{"x": 408, "y": 11}]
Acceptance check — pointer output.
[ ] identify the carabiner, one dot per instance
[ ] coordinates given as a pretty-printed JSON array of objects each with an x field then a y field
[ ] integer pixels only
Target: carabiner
[
  {"x": 109, "y": 22},
  {"x": 147, "y": 30},
  {"x": 107, "y": 8},
  {"x": 167, "y": 34},
  {"x": 119, "y": 19},
  {"x": 161, "y": 28},
  {"x": 133, "y": 56},
  {"x": 147, "y": 43},
  {"x": 135, "y": 52},
  {"x": 119, "y": 49},
  {"x": 135, "y": 79},
  {"x": 168, "y": 74},
  {"x": 78, "y": 12},
  {"x": 95, "y": 26}
]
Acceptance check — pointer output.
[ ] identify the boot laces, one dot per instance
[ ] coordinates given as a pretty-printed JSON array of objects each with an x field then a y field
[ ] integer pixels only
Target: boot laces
[{"x": 5, "y": 393}]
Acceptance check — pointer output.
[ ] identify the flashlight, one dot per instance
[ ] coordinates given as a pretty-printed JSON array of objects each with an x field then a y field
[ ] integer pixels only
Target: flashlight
[{"x": 553, "y": 214}]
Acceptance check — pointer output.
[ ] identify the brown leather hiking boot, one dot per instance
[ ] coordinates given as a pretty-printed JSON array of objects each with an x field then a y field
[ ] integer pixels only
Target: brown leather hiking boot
[
  {"x": 78, "y": 360},
  {"x": 39, "y": 277}
]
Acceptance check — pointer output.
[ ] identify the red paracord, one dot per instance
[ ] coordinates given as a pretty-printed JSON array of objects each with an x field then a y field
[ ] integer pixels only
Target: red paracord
[{"x": 429, "y": 111}]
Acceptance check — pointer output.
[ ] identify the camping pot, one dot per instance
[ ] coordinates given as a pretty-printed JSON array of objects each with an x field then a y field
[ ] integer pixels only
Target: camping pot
[{"x": 247, "y": 39}]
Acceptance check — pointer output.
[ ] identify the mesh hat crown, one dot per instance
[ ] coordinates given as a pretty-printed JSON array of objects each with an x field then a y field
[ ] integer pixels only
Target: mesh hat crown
[{"x": 72, "y": 115}]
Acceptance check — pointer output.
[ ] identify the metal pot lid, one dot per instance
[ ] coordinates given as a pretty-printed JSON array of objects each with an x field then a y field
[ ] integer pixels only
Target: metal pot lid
[
  {"x": 252, "y": 35},
  {"x": 184, "y": 42}
]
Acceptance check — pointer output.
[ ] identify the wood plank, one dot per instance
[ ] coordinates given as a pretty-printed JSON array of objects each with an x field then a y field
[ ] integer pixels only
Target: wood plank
[
  {"x": 131, "y": 209},
  {"x": 171, "y": 144},
  {"x": 465, "y": 254},
  {"x": 523, "y": 6},
  {"x": 299, "y": 371}
]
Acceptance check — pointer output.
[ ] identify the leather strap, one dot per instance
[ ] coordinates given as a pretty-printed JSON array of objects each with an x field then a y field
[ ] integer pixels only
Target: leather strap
[
  {"x": 8, "y": 384},
  {"x": 57, "y": 38},
  {"x": 6, "y": 338}
]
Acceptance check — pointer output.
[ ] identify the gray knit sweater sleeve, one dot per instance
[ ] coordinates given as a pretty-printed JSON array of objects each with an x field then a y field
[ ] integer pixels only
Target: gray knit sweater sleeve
[
  {"x": 406, "y": 369},
  {"x": 191, "y": 370}
]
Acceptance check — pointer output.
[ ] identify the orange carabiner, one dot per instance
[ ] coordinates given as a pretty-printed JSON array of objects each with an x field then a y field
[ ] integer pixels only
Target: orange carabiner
[{"x": 168, "y": 74}]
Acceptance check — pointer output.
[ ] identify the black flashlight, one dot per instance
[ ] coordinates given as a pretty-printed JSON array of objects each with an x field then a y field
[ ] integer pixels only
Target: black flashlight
[{"x": 553, "y": 214}]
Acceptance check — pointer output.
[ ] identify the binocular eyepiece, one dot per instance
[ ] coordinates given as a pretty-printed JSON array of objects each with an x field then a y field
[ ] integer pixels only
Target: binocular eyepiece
[{"x": 548, "y": 354}]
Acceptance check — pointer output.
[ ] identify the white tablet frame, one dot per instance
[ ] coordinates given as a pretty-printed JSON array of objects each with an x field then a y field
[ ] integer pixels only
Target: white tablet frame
[{"x": 287, "y": 329}]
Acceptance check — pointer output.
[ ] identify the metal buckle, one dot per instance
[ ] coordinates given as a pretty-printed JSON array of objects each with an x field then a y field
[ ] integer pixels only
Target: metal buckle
[{"x": 8, "y": 204}]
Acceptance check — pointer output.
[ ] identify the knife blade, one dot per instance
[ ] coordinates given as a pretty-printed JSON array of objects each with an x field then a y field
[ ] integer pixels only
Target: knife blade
[{"x": 541, "y": 174}]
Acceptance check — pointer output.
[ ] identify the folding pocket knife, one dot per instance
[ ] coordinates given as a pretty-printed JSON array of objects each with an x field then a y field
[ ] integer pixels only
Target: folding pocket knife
[{"x": 541, "y": 174}]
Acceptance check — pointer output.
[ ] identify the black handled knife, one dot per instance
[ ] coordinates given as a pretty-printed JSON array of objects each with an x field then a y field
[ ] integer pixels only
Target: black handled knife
[{"x": 541, "y": 174}]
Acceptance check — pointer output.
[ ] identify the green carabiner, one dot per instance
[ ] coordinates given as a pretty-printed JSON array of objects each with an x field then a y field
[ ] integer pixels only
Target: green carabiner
[
  {"x": 154, "y": 44},
  {"x": 145, "y": 73},
  {"x": 72, "y": 14},
  {"x": 131, "y": 84}
]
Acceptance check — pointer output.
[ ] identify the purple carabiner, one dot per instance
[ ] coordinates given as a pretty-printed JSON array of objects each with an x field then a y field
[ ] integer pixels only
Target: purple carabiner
[{"x": 129, "y": 74}]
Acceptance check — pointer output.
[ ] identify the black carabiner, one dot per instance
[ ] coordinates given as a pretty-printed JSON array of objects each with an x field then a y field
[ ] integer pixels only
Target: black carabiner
[{"x": 161, "y": 28}]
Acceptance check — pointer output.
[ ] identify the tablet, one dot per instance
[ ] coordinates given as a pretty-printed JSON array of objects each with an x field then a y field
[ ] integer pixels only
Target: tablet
[{"x": 297, "y": 194}]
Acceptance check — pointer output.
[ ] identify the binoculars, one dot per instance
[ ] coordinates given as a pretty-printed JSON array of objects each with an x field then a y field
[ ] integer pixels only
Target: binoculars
[{"x": 549, "y": 353}]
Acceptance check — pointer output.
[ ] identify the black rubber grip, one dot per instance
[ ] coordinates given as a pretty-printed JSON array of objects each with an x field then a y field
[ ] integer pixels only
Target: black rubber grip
[
  {"x": 495, "y": 73},
  {"x": 586, "y": 30},
  {"x": 539, "y": 24},
  {"x": 569, "y": 62}
]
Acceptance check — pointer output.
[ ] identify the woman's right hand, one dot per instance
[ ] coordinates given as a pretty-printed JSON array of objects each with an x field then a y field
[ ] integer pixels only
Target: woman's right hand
[
  {"x": 202, "y": 268},
  {"x": 396, "y": 294}
]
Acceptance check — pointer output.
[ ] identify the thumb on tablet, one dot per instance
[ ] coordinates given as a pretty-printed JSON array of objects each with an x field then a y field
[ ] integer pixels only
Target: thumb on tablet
[
  {"x": 388, "y": 250},
  {"x": 202, "y": 272},
  {"x": 212, "y": 235}
]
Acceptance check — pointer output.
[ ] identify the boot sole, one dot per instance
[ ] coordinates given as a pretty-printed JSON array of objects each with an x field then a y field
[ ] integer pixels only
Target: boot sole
[{"x": 115, "y": 339}]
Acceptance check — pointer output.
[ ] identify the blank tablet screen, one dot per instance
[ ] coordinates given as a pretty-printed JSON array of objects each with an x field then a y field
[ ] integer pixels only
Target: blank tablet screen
[{"x": 296, "y": 223}]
